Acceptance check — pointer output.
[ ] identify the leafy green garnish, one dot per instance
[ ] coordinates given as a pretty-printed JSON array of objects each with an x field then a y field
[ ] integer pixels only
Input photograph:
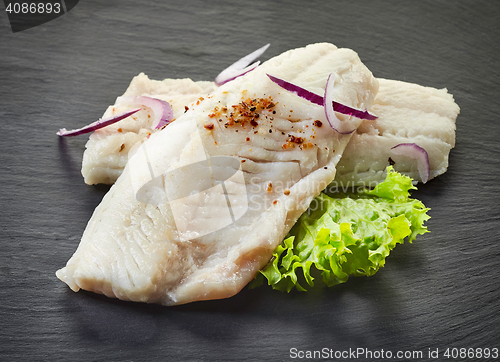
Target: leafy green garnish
[{"x": 349, "y": 236}]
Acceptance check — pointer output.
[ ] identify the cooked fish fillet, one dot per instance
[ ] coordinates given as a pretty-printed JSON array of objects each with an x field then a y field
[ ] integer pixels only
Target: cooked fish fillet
[
  {"x": 107, "y": 148},
  {"x": 407, "y": 113},
  {"x": 202, "y": 204}
]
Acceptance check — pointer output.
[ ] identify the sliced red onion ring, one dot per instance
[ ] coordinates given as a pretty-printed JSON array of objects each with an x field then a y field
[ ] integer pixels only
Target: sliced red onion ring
[
  {"x": 161, "y": 109},
  {"x": 240, "y": 67},
  {"x": 316, "y": 99},
  {"x": 418, "y": 153},
  {"x": 342, "y": 127},
  {"x": 96, "y": 125}
]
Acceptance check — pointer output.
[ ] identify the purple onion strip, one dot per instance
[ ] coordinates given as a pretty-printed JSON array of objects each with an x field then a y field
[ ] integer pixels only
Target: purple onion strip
[
  {"x": 96, "y": 125},
  {"x": 316, "y": 99}
]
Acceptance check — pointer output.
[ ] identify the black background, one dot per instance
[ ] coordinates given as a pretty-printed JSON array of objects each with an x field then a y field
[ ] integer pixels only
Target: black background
[{"x": 440, "y": 292}]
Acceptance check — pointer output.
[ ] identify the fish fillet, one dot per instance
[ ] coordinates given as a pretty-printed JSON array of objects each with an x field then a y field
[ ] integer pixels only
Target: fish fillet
[
  {"x": 407, "y": 113},
  {"x": 107, "y": 148},
  {"x": 202, "y": 204}
]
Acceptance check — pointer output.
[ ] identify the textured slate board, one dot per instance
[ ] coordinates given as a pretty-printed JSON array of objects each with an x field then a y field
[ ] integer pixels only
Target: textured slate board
[{"x": 442, "y": 291}]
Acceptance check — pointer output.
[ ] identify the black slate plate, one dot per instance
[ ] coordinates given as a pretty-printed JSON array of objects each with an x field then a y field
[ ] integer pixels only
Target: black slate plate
[{"x": 439, "y": 293}]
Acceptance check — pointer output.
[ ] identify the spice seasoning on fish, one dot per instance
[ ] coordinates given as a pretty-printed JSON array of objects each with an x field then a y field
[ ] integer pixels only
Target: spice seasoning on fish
[
  {"x": 269, "y": 187},
  {"x": 294, "y": 139},
  {"x": 248, "y": 110}
]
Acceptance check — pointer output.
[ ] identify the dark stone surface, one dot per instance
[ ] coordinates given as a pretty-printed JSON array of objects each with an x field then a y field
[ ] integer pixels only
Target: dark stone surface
[{"x": 440, "y": 292}]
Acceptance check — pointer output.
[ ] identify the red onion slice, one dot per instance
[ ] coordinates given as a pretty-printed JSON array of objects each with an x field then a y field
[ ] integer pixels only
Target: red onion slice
[
  {"x": 418, "y": 153},
  {"x": 161, "y": 109},
  {"x": 96, "y": 125},
  {"x": 316, "y": 99},
  {"x": 240, "y": 67},
  {"x": 342, "y": 127}
]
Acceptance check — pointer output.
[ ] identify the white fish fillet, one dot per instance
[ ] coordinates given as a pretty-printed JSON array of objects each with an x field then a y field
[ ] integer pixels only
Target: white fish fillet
[
  {"x": 209, "y": 241},
  {"x": 407, "y": 113},
  {"x": 107, "y": 148}
]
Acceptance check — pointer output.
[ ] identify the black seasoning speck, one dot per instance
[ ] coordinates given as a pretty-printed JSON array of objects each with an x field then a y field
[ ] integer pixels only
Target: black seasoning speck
[{"x": 391, "y": 161}]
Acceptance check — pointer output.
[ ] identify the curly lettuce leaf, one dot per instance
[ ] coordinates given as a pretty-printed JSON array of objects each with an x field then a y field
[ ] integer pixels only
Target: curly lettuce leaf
[{"x": 349, "y": 236}]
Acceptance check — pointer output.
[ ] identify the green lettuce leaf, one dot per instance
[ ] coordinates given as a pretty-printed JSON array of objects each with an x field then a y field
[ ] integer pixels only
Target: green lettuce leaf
[{"x": 339, "y": 237}]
